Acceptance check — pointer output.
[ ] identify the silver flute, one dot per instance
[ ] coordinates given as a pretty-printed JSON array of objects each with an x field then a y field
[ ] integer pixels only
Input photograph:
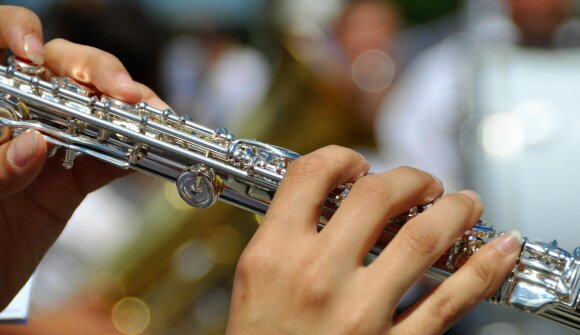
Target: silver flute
[{"x": 207, "y": 165}]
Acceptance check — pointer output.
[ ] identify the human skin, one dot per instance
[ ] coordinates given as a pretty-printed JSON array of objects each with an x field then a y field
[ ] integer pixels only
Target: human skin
[
  {"x": 293, "y": 280},
  {"x": 38, "y": 196}
]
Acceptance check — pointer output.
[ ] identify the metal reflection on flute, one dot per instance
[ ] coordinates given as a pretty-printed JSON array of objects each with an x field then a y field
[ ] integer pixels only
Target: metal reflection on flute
[{"x": 207, "y": 165}]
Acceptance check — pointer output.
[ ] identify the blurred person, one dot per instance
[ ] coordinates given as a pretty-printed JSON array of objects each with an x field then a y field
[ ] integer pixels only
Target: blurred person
[
  {"x": 424, "y": 120},
  {"x": 365, "y": 32},
  {"x": 31, "y": 224},
  {"x": 214, "y": 77},
  {"x": 539, "y": 20},
  {"x": 431, "y": 101},
  {"x": 329, "y": 75}
]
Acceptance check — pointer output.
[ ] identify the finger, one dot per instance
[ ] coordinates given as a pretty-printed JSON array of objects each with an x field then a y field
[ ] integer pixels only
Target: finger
[
  {"x": 91, "y": 66},
  {"x": 71, "y": 185},
  {"x": 372, "y": 201},
  {"x": 151, "y": 98},
  {"x": 306, "y": 184},
  {"x": 21, "y": 31},
  {"x": 5, "y": 134},
  {"x": 21, "y": 160},
  {"x": 422, "y": 241},
  {"x": 477, "y": 279}
]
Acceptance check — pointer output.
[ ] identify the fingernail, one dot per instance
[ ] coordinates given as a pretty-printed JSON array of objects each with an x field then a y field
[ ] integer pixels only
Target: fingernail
[
  {"x": 33, "y": 48},
  {"x": 471, "y": 195},
  {"x": 22, "y": 148},
  {"x": 508, "y": 242}
]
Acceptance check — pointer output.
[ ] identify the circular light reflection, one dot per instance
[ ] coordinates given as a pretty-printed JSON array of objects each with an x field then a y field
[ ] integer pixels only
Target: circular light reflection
[
  {"x": 306, "y": 42},
  {"x": 131, "y": 316},
  {"x": 190, "y": 262},
  {"x": 373, "y": 70},
  {"x": 501, "y": 134},
  {"x": 538, "y": 119}
]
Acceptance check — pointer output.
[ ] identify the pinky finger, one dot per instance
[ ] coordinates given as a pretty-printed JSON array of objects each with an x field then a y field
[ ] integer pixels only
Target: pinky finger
[{"x": 478, "y": 279}]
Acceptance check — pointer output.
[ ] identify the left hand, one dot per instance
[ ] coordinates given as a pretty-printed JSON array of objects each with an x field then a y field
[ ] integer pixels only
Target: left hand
[{"x": 38, "y": 196}]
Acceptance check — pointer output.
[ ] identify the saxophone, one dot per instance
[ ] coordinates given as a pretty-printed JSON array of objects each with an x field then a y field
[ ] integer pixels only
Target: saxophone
[{"x": 207, "y": 165}]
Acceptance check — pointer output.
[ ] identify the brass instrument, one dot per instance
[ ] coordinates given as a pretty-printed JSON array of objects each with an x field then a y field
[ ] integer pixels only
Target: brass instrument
[{"x": 207, "y": 165}]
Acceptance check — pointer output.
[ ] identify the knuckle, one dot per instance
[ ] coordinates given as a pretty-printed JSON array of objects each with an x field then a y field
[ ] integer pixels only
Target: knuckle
[
  {"x": 313, "y": 290},
  {"x": 55, "y": 42},
  {"x": 413, "y": 173},
  {"x": 375, "y": 189},
  {"x": 356, "y": 321},
  {"x": 311, "y": 164},
  {"x": 446, "y": 308},
  {"x": 407, "y": 170},
  {"x": 422, "y": 241},
  {"x": 482, "y": 272},
  {"x": 251, "y": 266},
  {"x": 105, "y": 60},
  {"x": 462, "y": 206},
  {"x": 422, "y": 179},
  {"x": 22, "y": 13},
  {"x": 255, "y": 259}
]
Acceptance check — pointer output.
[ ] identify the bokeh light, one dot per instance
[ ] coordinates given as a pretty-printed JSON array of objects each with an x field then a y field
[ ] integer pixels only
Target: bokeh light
[
  {"x": 306, "y": 42},
  {"x": 373, "y": 70},
  {"x": 538, "y": 120},
  {"x": 131, "y": 316},
  {"x": 501, "y": 134},
  {"x": 190, "y": 263}
]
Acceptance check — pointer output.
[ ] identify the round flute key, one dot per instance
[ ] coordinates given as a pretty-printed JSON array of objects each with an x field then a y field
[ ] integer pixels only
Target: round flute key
[
  {"x": 198, "y": 186},
  {"x": 25, "y": 66}
]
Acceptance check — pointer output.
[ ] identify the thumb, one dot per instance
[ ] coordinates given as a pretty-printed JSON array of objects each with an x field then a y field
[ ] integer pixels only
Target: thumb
[{"x": 21, "y": 160}]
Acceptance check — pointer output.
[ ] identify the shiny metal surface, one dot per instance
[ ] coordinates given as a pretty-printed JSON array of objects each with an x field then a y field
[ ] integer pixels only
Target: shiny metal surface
[{"x": 207, "y": 165}]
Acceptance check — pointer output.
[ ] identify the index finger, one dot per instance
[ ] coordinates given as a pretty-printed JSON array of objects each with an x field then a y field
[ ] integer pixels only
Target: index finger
[
  {"x": 306, "y": 184},
  {"x": 92, "y": 66},
  {"x": 21, "y": 31}
]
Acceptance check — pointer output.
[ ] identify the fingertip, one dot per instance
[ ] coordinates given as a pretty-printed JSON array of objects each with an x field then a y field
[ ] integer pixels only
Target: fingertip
[
  {"x": 126, "y": 89},
  {"x": 21, "y": 31},
  {"x": 508, "y": 243},
  {"x": 25, "y": 149},
  {"x": 33, "y": 48},
  {"x": 157, "y": 102},
  {"x": 150, "y": 97},
  {"x": 21, "y": 160},
  {"x": 471, "y": 195}
]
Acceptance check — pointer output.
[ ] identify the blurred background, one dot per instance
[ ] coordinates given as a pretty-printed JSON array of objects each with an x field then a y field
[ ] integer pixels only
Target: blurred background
[{"x": 479, "y": 92}]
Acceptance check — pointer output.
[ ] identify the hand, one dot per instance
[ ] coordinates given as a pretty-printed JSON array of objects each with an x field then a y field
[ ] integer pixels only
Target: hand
[
  {"x": 293, "y": 280},
  {"x": 38, "y": 196}
]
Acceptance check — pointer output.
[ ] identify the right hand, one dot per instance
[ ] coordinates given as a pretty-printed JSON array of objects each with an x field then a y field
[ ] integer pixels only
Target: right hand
[{"x": 292, "y": 279}]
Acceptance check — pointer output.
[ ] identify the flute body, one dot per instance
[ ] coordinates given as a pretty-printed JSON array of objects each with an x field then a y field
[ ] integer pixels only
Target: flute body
[{"x": 207, "y": 165}]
